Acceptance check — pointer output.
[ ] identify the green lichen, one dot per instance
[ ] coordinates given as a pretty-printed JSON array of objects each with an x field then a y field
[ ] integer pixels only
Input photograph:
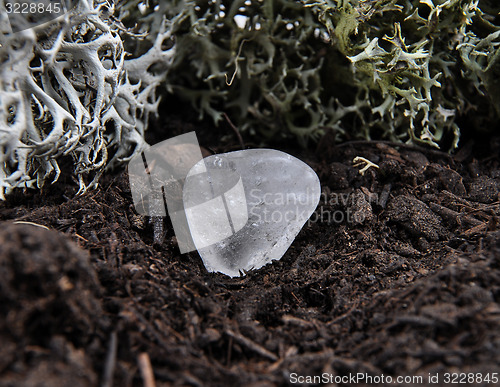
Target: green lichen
[
  {"x": 264, "y": 74},
  {"x": 392, "y": 69},
  {"x": 402, "y": 52}
]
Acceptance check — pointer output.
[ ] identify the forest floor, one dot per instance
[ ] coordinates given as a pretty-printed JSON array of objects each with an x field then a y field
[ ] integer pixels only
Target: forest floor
[{"x": 396, "y": 274}]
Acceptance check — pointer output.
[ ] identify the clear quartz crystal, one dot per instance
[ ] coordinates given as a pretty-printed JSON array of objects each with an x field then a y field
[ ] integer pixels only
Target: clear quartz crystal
[{"x": 245, "y": 208}]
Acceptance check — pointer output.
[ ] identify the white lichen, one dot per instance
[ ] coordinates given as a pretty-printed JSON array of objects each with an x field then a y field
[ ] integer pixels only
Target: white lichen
[
  {"x": 359, "y": 161},
  {"x": 68, "y": 89}
]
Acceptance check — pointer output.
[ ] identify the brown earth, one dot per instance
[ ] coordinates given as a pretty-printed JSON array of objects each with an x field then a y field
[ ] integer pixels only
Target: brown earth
[{"x": 398, "y": 273}]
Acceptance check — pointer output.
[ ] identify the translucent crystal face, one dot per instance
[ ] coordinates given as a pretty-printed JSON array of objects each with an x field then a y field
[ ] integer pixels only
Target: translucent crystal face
[
  {"x": 245, "y": 208},
  {"x": 239, "y": 210}
]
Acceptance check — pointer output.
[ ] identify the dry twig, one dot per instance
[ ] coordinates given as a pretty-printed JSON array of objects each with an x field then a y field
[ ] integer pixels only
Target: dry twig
[
  {"x": 146, "y": 370},
  {"x": 109, "y": 368},
  {"x": 246, "y": 342}
]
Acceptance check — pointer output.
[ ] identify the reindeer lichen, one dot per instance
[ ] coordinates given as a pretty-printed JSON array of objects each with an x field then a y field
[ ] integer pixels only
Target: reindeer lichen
[
  {"x": 67, "y": 89},
  {"x": 85, "y": 85}
]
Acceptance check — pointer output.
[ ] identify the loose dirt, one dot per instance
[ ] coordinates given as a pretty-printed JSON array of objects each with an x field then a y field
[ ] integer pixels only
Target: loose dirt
[{"x": 397, "y": 273}]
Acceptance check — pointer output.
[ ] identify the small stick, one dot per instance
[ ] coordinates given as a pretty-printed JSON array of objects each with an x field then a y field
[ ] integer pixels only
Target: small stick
[
  {"x": 296, "y": 298},
  {"x": 79, "y": 236},
  {"x": 236, "y": 65},
  {"x": 246, "y": 342},
  {"x": 31, "y": 224},
  {"x": 229, "y": 348},
  {"x": 109, "y": 369},
  {"x": 287, "y": 319},
  {"x": 146, "y": 370},
  {"x": 240, "y": 139}
]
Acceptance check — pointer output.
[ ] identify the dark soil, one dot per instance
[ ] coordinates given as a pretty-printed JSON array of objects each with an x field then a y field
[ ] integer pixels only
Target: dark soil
[{"x": 398, "y": 273}]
